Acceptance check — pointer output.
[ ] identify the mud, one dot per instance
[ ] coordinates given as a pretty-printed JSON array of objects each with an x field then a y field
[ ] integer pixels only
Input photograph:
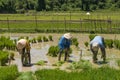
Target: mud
[{"x": 39, "y": 51}]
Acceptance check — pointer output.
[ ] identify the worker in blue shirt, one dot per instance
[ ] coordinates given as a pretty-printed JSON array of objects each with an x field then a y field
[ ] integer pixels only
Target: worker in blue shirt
[
  {"x": 95, "y": 44},
  {"x": 64, "y": 44}
]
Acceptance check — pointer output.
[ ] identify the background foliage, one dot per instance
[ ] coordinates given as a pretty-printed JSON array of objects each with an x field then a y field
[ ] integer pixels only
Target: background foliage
[{"x": 21, "y": 6}]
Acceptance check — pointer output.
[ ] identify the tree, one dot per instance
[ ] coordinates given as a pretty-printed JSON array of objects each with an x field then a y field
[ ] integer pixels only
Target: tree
[
  {"x": 7, "y": 6},
  {"x": 41, "y": 5}
]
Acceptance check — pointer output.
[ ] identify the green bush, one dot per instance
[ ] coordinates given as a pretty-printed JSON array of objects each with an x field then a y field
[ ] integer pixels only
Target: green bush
[
  {"x": 27, "y": 37},
  {"x": 86, "y": 44},
  {"x": 10, "y": 45},
  {"x": 117, "y": 44},
  {"x": 109, "y": 43},
  {"x": 53, "y": 51},
  {"x": 91, "y": 36},
  {"x": 75, "y": 42},
  {"x": 26, "y": 76},
  {"x": 39, "y": 38},
  {"x": 45, "y": 39},
  {"x": 6, "y": 42},
  {"x": 3, "y": 57},
  {"x": 1, "y": 45},
  {"x": 8, "y": 72},
  {"x": 50, "y": 38},
  {"x": 33, "y": 40}
]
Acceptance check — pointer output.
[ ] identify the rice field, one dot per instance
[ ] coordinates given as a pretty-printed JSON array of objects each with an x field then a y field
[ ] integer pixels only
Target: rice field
[
  {"x": 61, "y": 22},
  {"x": 98, "y": 22}
]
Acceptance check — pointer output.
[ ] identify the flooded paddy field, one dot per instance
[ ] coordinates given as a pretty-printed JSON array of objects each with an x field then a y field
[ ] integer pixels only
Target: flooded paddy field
[{"x": 39, "y": 51}]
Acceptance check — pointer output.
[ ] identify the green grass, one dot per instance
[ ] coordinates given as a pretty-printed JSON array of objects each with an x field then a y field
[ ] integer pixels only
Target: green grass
[
  {"x": 84, "y": 26},
  {"x": 104, "y": 73},
  {"x": 8, "y": 72},
  {"x": 58, "y": 21},
  {"x": 80, "y": 65},
  {"x": 61, "y": 15},
  {"x": 26, "y": 76}
]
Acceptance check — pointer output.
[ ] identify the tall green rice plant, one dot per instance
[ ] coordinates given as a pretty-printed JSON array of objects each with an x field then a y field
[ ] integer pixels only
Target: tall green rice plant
[
  {"x": 33, "y": 40},
  {"x": 86, "y": 44},
  {"x": 39, "y": 38},
  {"x": 103, "y": 73},
  {"x": 91, "y": 36},
  {"x": 9, "y": 72},
  {"x": 109, "y": 43},
  {"x": 3, "y": 57},
  {"x": 117, "y": 44},
  {"x": 50, "y": 38},
  {"x": 1, "y": 45},
  {"x": 45, "y": 39},
  {"x": 80, "y": 65},
  {"x": 26, "y": 76},
  {"x": 75, "y": 42},
  {"x": 53, "y": 51}
]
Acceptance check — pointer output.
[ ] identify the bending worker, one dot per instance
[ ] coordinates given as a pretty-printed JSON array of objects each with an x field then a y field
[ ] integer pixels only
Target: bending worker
[
  {"x": 23, "y": 47},
  {"x": 64, "y": 45},
  {"x": 95, "y": 44}
]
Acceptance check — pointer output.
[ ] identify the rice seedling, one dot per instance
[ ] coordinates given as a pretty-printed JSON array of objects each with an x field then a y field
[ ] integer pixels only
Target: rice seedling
[{"x": 41, "y": 62}]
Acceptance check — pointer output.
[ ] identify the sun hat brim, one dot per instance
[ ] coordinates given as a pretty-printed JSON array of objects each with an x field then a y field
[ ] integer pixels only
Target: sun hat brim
[{"x": 67, "y": 36}]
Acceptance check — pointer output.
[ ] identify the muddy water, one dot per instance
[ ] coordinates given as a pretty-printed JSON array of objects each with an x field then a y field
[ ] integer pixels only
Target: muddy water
[
  {"x": 36, "y": 55},
  {"x": 39, "y": 54}
]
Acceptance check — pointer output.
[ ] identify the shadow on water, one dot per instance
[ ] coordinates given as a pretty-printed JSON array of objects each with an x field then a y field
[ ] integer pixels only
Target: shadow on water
[
  {"x": 28, "y": 65},
  {"x": 70, "y": 61},
  {"x": 101, "y": 62}
]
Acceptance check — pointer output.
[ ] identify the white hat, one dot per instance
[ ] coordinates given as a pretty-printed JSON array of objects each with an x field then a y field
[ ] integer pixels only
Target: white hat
[
  {"x": 95, "y": 46},
  {"x": 21, "y": 43},
  {"x": 67, "y": 36}
]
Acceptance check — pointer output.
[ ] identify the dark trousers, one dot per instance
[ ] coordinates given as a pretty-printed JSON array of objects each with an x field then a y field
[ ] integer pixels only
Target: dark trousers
[
  {"x": 24, "y": 56},
  {"x": 60, "y": 54},
  {"x": 96, "y": 52}
]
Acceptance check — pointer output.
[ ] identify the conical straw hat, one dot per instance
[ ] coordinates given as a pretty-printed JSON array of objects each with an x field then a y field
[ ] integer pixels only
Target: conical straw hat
[
  {"x": 67, "y": 36},
  {"x": 21, "y": 43}
]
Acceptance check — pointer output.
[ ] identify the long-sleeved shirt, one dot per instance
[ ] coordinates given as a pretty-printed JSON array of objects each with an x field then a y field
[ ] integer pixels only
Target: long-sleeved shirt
[
  {"x": 99, "y": 40},
  {"x": 64, "y": 43},
  {"x": 23, "y": 43}
]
